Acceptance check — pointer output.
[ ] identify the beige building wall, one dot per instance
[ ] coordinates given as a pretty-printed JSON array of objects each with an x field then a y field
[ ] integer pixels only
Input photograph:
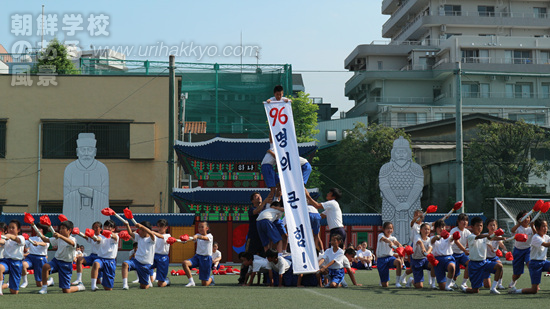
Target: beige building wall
[{"x": 140, "y": 100}]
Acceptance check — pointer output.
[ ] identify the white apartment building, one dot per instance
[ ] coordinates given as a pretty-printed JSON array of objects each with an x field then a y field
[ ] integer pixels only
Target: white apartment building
[{"x": 503, "y": 47}]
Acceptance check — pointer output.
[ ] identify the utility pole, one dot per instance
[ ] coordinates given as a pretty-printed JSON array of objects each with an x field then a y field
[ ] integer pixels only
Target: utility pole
[
  {"x": 171, "y": 107},
  {"x": 459, "y": 146}
]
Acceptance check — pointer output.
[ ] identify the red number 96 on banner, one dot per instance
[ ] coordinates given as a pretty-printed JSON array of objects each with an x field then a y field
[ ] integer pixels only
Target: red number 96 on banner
[{"x": 278, "y": 114}]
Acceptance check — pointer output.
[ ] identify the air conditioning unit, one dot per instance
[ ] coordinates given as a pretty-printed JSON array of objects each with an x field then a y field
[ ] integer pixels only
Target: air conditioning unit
[
  {"x": 443, "y": 28},
  {"x": 507, "y": 78},
  {"x": 493, "y": 77},
  {"x": 360, "y": 61}
]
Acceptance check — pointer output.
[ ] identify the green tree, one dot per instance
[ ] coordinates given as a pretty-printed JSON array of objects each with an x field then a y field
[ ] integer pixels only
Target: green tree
[
  {"x": 56, "y": 55},
  {"x": 305, "y": 123},
  {"x": 305, "y": 117},
  {"x": 501, "y": 158},
  {"x": 354, "y": 164}
]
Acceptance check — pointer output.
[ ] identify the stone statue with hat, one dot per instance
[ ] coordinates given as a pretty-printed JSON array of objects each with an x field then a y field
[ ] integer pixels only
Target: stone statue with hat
[
  {"x": 401, "y": 181},
  {"x": 85, "y": 185}
]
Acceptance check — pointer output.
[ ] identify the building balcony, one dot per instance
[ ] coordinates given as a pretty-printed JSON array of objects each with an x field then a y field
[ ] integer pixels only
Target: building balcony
[
  {"x": 400, "y": 16},
  {"x": 497, "y": 99},
  {"x": 389, "y": 6},
  {"x": 367, "y": 77},
  {"x": 416, "y": 27}
]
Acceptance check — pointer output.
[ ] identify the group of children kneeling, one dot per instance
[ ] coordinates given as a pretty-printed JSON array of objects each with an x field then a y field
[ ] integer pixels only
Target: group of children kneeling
[{"x": 19, "y": 253}]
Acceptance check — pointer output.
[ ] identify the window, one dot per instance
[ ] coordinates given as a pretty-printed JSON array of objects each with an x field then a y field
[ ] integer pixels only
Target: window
[
  {"x": 470, "y": 90},
  {"x": 509, "y": 91},
  {"x": 406, "y": 118},
  {"x": 452, "y": 10},
  {"x": 59, "y": 139},
  {"x": 522, "y": 57},
  {"x": 523, "y": 90},
  {"x": 545, "y": 91},
  {"x": 538, "y": 119},
  {"x": 331, "y": 135},
  {"x": 441, "y": 116},
  {"x": 544, "y": 57},
  {"x": 485, "y": 90},
  {"x": 484, "y": 10},
  {"x": 475, "y": 56},
  {"x": 540, "y": 12},
  {"x": 2, "y": 139},
  {"x": 541, "y": 154},
  {"x": 380, "y": 65},
  {"x": 422, "y": 117}
]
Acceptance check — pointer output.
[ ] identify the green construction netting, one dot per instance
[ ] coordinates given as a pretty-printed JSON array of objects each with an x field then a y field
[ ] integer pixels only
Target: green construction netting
[{"x": 227, "y": 97}]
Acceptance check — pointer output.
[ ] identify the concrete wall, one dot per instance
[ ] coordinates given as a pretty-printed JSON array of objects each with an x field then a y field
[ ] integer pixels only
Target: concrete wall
[{"x": 134, "y": 99}]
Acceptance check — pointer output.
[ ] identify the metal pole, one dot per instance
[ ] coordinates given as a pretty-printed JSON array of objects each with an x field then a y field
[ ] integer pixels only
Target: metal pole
[
  {"x": 171, "y": 107},
  {"x": 39, "y": 162},
  {"x": 459, "y": 154},
  {"x": 216, "y": 68}
]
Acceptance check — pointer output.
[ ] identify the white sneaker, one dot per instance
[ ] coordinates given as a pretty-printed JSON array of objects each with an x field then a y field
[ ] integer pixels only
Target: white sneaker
[
  {"x": 454, "y": 285},
  {"x": 24, "y": 285},
  {"x": 93, "y": 289},
  {"x": 81, "y": 287},
  {"x": 167, "y": 282},
  {"x": 433, "y": 287},
  {"x": 448, "y": 288},
  {"x": 74, "y": 282},
  {"x": 463, "y": 288},
  {"x": 190, "y": 284},
  {"x": 494, "y": 291},
  {"x": 501, "y": 287},
  {"x": 512, "y": 290},
  {"x": 43, "y": 290},
  {"x": 51, "y": 282},
  {"x": 398, "y": 285},
  {"x": 125, "y": 287},
  {"x": 135, "y": 281},
  {"x": 404, "y": 280},
  {"x": 409, "y": 282},
  {"x": 1, "y": 293}
]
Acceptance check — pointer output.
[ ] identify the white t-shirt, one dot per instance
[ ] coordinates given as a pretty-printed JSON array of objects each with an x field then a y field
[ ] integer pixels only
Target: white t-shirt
[
  {"x": 14, "y": 250},
  {"x": 384, "y": 249},
  {"x": 303, "y": 161},
  {"x": 108, "y": 248},
  {"x": 37, "y": 250},
  {"x": 478, "y": 248},
  {"x": 363, "y": 254},
  {"x": 346, "y": 262},
  {"x": 204, "y": 247},
  {"x": 268, "y": 158},
  {"x": 282, "y": 100},
  {"x": 415, "y": 230},
  {"x": 417, "y": 249},
  {"x": 333, "y": 213},
  {"x": 216, "y": 255},
  {"x": 312, "y": 210},
  {"x": 258, "y": 265},
  {"x": 523, "y": 230},
  {"x": 442, "y": 247},
  {"x": 65, "y": 252},
  {"x": 95, "y": 246},
  {"x": 337, "y": 256},
  {"x": 495, "y": 244},
  {"x": 270, "y": 214},
  {"x": 281, "y": 267},
  {"x": 463, "y": 239},
  {"x": 161, "y": 246},
  {"x": 145, "y": 253},
  {"x": 1, "y": 252},
  {"x": 538, "y": 251}
]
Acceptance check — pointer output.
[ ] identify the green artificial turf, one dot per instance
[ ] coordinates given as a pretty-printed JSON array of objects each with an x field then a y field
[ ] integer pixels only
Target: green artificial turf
[{"x": 227, "y": 294}]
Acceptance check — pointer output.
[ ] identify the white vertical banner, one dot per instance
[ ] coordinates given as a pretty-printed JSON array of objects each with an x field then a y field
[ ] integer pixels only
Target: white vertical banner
[{"x": 300, "y": 236}]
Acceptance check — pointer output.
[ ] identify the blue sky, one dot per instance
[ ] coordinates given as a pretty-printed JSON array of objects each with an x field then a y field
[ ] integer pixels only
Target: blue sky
[{"x": 312, "y": 36}]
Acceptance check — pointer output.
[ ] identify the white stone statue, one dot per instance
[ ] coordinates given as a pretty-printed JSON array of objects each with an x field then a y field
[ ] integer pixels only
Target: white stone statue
[
  {"x": 401, "y": 182},
  {"x": 85, "y": 185}
]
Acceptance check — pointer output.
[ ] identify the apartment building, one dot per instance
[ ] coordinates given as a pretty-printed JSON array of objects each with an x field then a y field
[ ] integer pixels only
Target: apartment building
[{"x": 503, "y": 47}]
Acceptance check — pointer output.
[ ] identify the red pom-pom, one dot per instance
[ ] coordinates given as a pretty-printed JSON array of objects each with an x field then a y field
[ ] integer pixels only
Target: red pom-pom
[
  {"x": 108, "y": 212},
  {"x": 431, "y": 209},
  {"x": 444, "y": 234},
  {"x": 222, "y": 267},
  {"x": 26, "y": 236},
  {"x": 545, "y": 207},
  {"x": 184, "y": 237},
  {"x": 509, "y": 256},
  {"x": 538, "y": 205},
  {"x": 215, "y": 271},
  {"x": 30, "y": 272},
  {"x": 229, "y": 270},
  {"x": 171, "y": 240},
  {"x": 173, "y": 272},
  {"x": 521, "y": 237},
  {"x": 432, "y": 260},
  {"x": 106, "y": 233},
  {"x": 499, "y": 232},
  {"x": 62, "y": 218},
  {"x": 498, "y": 253},
  {"x": 409, "y": 250},
  {"x": 76, "y": 231},
  {"x": 400, "y": 251},
  {"x": 128, "y": 213},
  {"x": 222, "y": 272},
  {"x": 124, "y": 235},
  {"x": 28, "y": 218},
  {"x": 456, "y": 235},
  {"x": 181, "y": 272},
  {"x": 458, "y": 205},
  {"x": 45, "y": 220}
]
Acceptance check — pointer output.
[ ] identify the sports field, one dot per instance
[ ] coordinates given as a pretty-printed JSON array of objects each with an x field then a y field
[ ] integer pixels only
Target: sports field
[{"x": 226, "y": 294}]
